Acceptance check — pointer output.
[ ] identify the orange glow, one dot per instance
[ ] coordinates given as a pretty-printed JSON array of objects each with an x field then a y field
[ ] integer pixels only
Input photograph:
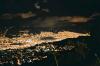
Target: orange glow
[{"x": 31, "y": 40}]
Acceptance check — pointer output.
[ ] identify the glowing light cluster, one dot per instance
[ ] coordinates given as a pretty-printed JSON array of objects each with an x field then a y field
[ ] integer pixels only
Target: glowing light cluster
[{"x": 28, "y": 40}]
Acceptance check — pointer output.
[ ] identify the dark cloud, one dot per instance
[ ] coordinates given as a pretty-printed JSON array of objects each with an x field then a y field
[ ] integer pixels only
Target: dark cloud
[{"x": 56, "y": 7}]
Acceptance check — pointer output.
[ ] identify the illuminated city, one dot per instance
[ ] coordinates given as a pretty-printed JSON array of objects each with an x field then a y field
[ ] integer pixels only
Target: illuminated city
[
  {"x": 28, "y": 40},
  {"x": 49, "y": 33}
]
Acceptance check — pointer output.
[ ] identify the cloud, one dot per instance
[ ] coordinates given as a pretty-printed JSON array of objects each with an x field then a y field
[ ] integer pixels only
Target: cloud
[
  {"x": 26, "y": 15},
  {"x": 75, "y": 19},
  {"x": 36, "y": 5}
]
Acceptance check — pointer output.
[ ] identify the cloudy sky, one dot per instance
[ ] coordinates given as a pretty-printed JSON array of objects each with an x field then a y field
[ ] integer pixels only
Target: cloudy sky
[{"x": 56, "y": 7}]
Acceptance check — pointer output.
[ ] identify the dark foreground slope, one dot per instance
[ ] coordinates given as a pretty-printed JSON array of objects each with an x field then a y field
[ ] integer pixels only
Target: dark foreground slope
[{"x": 69, "y": 52}]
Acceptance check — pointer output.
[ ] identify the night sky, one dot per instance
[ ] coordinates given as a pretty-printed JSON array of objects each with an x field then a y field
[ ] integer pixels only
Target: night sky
[{"x": 56, "y": 7}]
